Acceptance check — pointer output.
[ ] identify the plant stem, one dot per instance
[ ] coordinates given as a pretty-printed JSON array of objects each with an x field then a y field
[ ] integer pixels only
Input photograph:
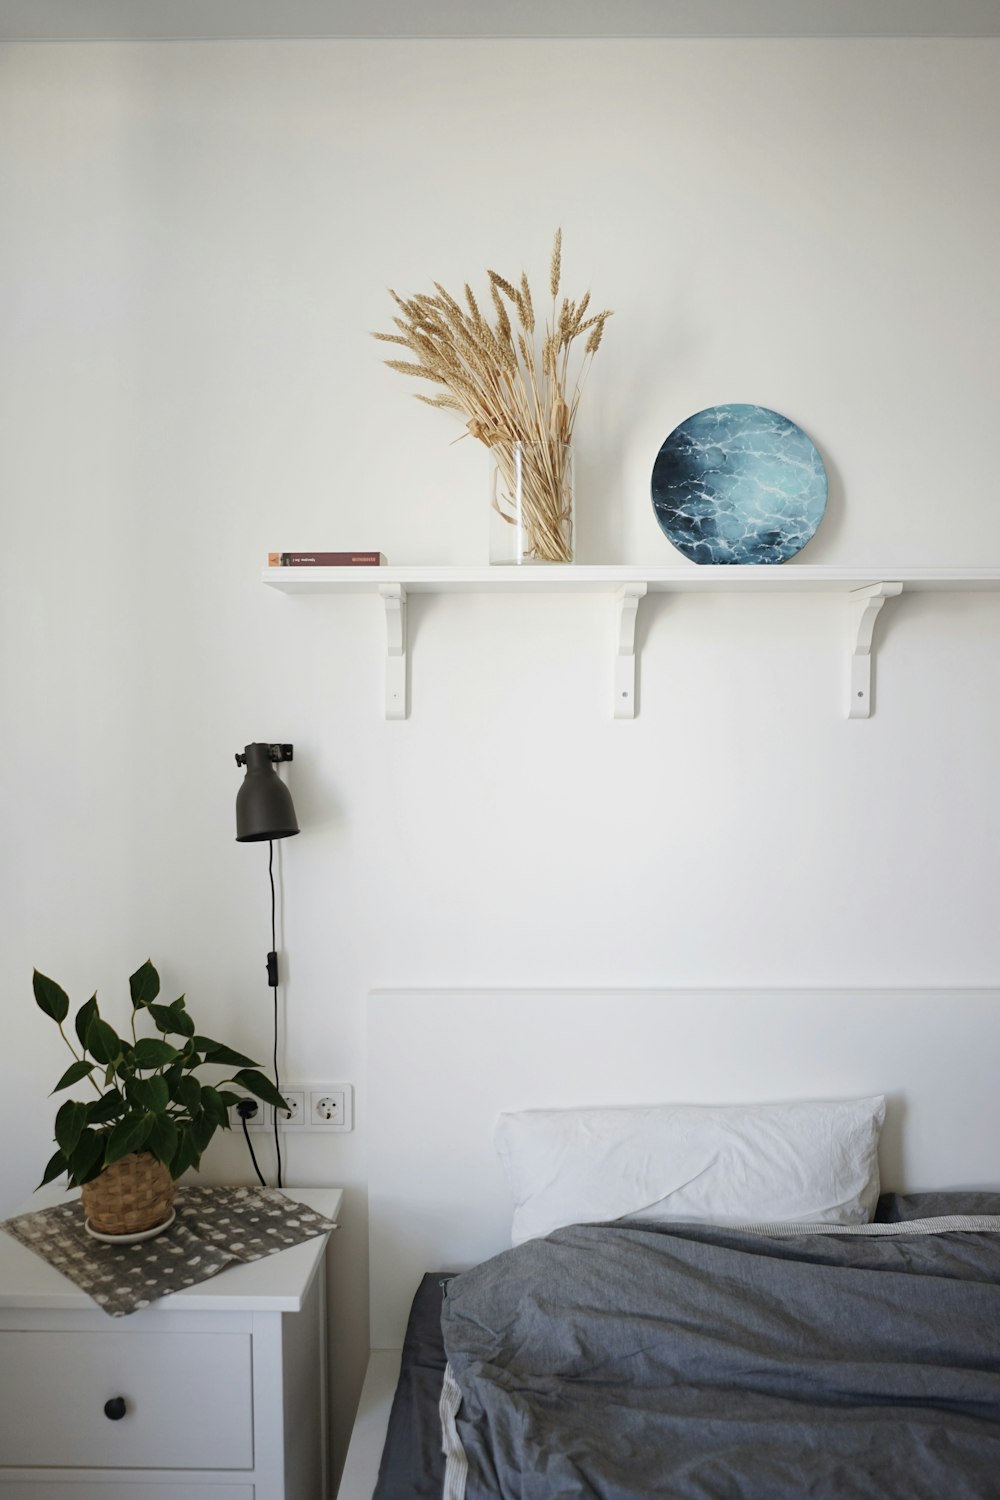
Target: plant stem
[{"x": 78, "y": 1056}]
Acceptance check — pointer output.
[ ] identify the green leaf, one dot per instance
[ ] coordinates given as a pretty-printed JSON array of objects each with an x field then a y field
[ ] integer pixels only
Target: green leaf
[
  {"x": 168, "y": 1018},
  {"x": 256, "y": 1083},
  {"x": 88, "y": 1158},
  {"x": 183, "y": 1024},
  {"x": 57, "y": 1165},
  {"x": 228, "y": 1100},
  {"x": 153, "y": 1052},
  {"x": 108, "y": 1107},
  {"x": 157, "y": 1093},
  {"x": 149, "y": 1093},
  {"x": 203, "y": 1130},
  {"x": 70, "y": 1120},
  {"x": 186, "y": 1154},
  {"x": 84, "y": 1016},
  {"x": 173, "y": 1076},
  {"x": 130, "y": 1134},
  {"x": 90, "y": 1174},
  {"x": 144, "y": 985},
  {"x": 215, "y": 1052},
  {"x": 163, "y": 1139},
  {"x": 50, "y": 997},
  {"x": 73, "y": 1074},
  {"x": 103, "y": 1042},
  {"x": 189, "y": 1093},
  {"x": 212, "y": 1103}
]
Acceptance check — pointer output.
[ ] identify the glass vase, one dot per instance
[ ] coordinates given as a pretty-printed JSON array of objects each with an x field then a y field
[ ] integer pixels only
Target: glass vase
[{"x": 531, "y": 503}]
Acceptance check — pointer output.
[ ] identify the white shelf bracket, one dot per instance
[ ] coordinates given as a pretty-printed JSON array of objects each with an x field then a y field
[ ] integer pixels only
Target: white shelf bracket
[
  {"x": 626, "y": 610},
  {"x": 394, "y": 599},
  {"x": 868, "y": 603}
]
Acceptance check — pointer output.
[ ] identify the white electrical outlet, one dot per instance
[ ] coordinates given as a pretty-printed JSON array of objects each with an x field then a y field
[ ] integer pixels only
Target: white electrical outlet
[
  {"x": 331, "y": 1107},
  {"x": 327, "y": 1108},
  {"x": 292, "y": 1118}
]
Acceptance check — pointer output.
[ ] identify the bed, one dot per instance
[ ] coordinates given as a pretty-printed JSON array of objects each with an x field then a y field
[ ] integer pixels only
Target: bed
[{"x": 872, "y": 1359}]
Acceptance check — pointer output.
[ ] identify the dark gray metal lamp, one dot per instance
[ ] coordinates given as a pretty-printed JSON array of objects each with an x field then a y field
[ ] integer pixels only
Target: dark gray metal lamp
[{"x": 264, "y": 808}]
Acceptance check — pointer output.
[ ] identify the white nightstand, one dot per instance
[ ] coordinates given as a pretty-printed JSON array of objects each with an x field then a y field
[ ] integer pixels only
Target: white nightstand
[{"x": 224, "y": 1385}]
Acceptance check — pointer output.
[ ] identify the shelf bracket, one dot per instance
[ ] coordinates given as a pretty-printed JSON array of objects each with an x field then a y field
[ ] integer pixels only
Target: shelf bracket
[
  {"x": 394, "y": 598},
  {"x": 868, "y": 602},
  {"x": 626, "y": 610}
]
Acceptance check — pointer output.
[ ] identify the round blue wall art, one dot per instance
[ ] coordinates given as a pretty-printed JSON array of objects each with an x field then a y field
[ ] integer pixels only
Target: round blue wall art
[{"x": 738, "y": 484}]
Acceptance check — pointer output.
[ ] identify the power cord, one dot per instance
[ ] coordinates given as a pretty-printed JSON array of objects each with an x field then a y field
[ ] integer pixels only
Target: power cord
[
  {"x": 246, "y": 1109},
  {"x": 272, "y": 974}
]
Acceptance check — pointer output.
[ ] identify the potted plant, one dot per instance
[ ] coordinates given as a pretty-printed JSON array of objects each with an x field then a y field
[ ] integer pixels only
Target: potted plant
[{"x": 151, "y": 1117}]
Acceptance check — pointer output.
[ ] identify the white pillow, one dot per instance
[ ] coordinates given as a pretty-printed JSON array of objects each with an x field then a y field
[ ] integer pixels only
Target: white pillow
[{"x": 813, "y": 1162}]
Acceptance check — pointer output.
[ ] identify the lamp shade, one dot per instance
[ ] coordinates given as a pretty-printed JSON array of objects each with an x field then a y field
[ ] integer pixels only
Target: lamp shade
[{"x": 264, "y": 808}]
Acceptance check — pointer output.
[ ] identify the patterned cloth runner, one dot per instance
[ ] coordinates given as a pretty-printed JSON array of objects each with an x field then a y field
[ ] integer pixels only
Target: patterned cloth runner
[{"x": 214, "y": 1226}]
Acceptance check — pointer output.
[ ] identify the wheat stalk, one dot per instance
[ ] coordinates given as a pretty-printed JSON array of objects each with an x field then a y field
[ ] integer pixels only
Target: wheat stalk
[{"x": 508, "y": 392}]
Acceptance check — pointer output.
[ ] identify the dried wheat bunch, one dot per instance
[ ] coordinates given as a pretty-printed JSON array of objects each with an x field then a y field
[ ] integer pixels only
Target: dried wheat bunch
[{"x": 512, "y": 381}]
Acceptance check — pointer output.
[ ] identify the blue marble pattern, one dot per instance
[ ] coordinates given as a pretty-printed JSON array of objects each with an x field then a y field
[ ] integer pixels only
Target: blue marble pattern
[{"x": 738, "y": 484}]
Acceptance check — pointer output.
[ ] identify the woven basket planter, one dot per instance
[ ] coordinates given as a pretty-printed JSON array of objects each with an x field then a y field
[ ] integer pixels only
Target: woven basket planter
[{"x": 133, "y": 1195}]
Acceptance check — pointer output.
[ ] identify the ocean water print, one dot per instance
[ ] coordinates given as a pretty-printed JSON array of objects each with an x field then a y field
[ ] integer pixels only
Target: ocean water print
[{"x": 738, "y": 484}]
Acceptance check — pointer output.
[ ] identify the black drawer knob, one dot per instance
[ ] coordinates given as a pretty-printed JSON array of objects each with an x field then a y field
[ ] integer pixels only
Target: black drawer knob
[{"x": 114, "y": 1409}]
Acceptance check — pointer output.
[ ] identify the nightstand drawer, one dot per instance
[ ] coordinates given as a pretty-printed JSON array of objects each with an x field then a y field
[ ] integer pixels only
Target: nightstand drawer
[{"x": 187, "y": 1400}]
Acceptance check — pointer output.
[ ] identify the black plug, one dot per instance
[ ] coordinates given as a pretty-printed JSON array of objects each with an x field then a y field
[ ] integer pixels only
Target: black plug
[{"x": 246, "y": 1109}]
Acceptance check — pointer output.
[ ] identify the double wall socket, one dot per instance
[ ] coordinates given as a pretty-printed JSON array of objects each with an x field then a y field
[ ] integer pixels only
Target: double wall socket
[{"x": 311, "y": 1106}]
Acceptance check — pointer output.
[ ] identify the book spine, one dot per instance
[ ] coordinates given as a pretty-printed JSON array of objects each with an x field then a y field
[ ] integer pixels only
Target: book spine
[{"x": 325, "y": 559}]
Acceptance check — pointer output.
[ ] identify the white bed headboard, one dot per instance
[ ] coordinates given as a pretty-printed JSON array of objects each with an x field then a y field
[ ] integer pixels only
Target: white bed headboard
[{"x": 442, "y": 1065}]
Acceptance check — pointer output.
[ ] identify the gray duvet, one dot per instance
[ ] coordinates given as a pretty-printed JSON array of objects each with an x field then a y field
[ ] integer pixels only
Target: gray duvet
[{"x": 713, "y": 1365}]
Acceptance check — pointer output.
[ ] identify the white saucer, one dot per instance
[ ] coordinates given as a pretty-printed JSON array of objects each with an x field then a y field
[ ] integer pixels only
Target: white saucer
[{"x": 130, "y": 1239}]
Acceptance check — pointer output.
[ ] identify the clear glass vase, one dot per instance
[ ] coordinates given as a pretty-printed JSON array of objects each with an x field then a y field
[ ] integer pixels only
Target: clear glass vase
[{"x": 531, "y": 503}]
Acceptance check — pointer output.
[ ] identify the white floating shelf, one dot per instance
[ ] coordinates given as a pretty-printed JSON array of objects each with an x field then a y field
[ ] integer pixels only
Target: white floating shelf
[{"x": 869, "y": 588}]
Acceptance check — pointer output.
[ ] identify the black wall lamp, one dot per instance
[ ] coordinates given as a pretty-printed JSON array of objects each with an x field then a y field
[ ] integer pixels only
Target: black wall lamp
[{"x": 264, "y": 808}]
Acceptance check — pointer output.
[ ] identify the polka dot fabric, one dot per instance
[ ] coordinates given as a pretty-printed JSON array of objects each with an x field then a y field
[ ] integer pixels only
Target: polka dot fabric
[{"x": 214, "y": 1227}]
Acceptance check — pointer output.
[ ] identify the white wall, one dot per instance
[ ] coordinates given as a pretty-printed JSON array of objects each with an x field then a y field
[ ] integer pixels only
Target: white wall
[{"x": 196, "y": 240}]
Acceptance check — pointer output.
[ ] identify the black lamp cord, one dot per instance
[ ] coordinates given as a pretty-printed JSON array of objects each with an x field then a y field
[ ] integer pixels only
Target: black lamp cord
[
  {"x": 272, "y": 974},
  {"x": 253, "y": 1158}
]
